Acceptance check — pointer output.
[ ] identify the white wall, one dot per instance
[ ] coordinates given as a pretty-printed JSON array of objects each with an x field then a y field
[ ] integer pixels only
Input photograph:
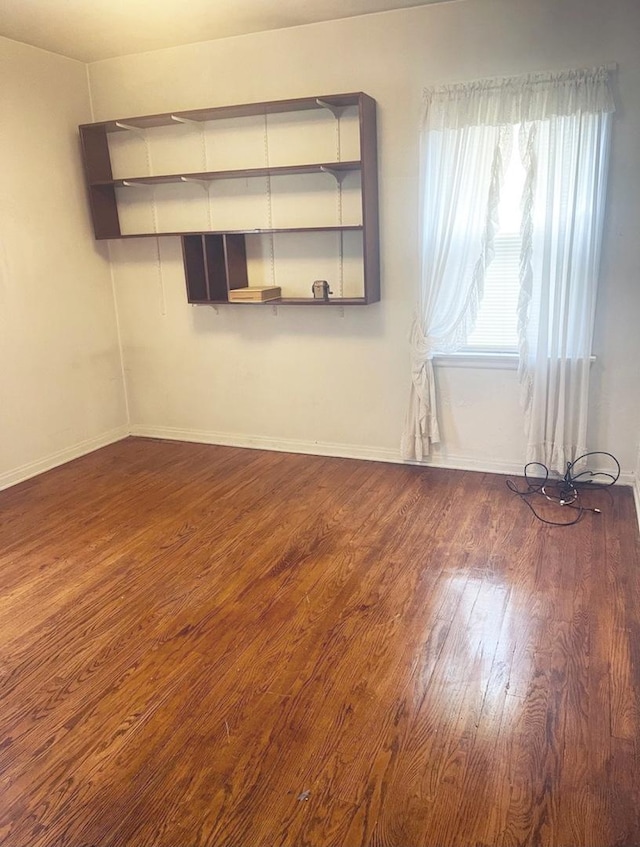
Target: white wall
[
  {"x": 61, "y": 387},
  {"x": 313, "y": 379}
]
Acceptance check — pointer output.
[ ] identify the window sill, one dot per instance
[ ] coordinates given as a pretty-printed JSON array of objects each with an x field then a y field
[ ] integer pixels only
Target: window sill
[{"x": 488, "y": 361}]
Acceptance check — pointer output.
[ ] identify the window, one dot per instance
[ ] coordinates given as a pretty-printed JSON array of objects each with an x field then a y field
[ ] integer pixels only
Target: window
[
  {"x": 502, "y": 291},
  {"x": 496, "y": 329}
]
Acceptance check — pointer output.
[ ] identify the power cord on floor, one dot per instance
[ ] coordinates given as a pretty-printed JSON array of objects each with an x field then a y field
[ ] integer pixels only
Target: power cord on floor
[{"x": 565, "y": 492}]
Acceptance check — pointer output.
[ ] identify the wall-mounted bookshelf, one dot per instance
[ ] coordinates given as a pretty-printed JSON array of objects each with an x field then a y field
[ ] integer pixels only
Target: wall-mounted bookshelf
[{"x": 317, "y": 211}]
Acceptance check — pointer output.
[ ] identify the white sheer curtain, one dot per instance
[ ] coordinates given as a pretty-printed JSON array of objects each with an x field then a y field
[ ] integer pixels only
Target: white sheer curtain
[
  {"x": 564, "y": 122},
  {"x": 460, "y": 173},
  {"x": 566, "y": 158}
]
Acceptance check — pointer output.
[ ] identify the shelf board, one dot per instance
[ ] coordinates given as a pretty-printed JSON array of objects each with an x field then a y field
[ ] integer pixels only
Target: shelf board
[
  {"x": 285, "y": 301},
  {"x": 337, "y": 101},
  {"x": 311, "y": 301},
  {"x": 256, "y": 231},
  {"x": 245, "y": 173}
]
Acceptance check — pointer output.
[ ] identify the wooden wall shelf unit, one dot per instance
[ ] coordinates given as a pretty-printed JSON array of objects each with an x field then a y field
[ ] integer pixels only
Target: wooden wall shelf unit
[{"x": 216, "y": 257}]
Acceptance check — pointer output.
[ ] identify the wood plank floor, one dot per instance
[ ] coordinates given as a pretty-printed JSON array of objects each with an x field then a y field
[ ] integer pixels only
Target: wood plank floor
[{"x": 212, "y": 646}]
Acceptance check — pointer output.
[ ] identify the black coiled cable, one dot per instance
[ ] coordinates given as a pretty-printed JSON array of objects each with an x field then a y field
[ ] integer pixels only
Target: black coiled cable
[{"x": 565, "y": 492}]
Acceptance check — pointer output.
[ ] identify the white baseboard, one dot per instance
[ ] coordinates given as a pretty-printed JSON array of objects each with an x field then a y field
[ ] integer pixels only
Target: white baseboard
[
  {"x": 323, "y": 448},
  {"x": 20, "y": 474},
  {"x": 259, "y": 442},
  {"x": 313, "y": 448}
]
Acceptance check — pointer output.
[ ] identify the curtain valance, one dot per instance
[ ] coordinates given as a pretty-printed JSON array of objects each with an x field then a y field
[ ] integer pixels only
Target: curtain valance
[{"x": 516, "y": 100}]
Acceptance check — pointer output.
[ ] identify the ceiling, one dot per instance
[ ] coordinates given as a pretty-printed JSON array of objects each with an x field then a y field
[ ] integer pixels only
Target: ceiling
[{"x": 90, "y": 30}]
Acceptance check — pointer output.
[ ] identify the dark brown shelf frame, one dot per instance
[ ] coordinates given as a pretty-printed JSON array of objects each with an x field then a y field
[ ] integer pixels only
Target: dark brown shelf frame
[{"x": 215, "y": 262}]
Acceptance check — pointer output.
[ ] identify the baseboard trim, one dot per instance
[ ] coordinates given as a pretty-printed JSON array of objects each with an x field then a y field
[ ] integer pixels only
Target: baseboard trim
[
  {"x": 260, "y": 442},
  {"x": 321, "y": 448},
  {"x": 24, "y": 472}
]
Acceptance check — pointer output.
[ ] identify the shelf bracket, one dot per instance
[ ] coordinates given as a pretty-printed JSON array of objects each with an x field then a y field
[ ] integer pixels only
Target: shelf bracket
[
  {"x": 337, "y": 175},
  {"x": 180, "y": 120},
  {"x": 138, "y": 130},
  {"x": 203, "y": 183},
  {"x": 336, "y": 111},
  {"x": 136, "y": 184}
]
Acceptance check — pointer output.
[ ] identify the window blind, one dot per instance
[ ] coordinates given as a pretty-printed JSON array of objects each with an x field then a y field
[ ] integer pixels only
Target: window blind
[{"x": 496, "y": 325}]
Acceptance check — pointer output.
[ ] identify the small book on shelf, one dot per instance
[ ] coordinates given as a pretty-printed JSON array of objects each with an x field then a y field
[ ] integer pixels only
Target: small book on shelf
[{"x": 254, "y": 294}]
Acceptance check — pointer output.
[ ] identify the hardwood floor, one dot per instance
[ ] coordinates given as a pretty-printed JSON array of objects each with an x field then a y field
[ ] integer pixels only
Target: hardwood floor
[{"x": 214, "y": 646}]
